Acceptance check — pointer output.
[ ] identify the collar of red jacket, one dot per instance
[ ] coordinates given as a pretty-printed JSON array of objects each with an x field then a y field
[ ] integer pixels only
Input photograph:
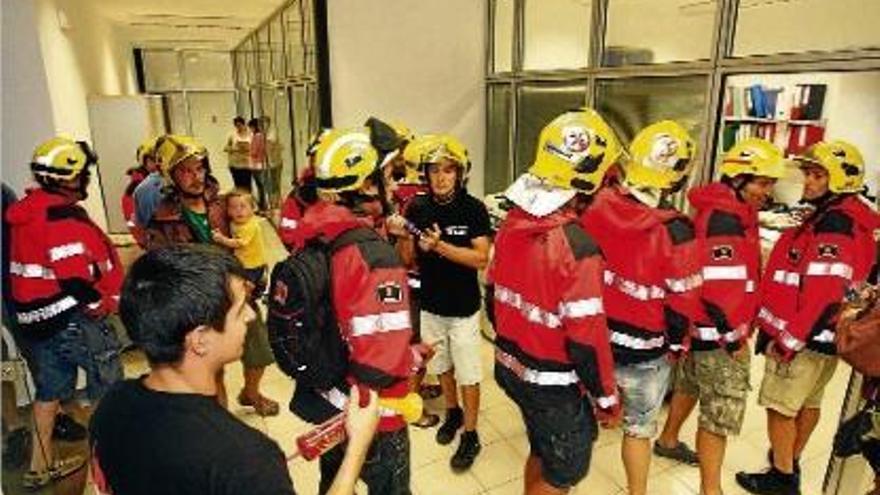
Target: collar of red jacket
[
  {"x": 857, "y": 208},
  {"x": 327, "y": 221},
  {"x": 618, "y": 211},
  {"x": 34, "y": 204},
  {"x": 520, "y": 222},
  {"x": 719, "y": 196}
]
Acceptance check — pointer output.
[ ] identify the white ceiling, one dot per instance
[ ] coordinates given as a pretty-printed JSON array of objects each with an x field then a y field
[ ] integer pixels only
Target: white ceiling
[{"x": 219, "y": 24}]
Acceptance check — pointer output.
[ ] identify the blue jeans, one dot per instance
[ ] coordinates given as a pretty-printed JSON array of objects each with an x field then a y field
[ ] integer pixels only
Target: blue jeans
[
  {"x": 85, "y": 343},
  {"x": 642, "y": 387}
]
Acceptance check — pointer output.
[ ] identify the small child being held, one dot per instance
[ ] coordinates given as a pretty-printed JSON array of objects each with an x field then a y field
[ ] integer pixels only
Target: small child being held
[
  {"x": 247, "y": 240},
  {"x": 247, "y": 244}
]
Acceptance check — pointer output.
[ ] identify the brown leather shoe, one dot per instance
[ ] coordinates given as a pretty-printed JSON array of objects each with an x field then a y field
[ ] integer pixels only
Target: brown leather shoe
[{"x": 263, "y": 406}]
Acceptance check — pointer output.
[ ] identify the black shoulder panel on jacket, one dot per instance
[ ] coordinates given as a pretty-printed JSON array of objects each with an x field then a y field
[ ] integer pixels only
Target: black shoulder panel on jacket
[
  {"x": 722, "y": 223},
  {"x": 62, "y": 212},
  {"x": 835, "y": 222},
  {"x": 580, "y": 242},
  {"x": 377, "y": 253},
  {"x": 681, "y": 230}
]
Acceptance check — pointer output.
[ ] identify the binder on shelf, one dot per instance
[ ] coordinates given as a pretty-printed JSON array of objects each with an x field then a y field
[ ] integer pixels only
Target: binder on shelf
[
  {"x": 771, "y": 98},
  {"x": 815, "y": 102}
]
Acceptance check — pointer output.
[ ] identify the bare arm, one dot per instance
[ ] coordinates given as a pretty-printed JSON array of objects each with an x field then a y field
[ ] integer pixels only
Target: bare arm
[
  {"x": 229, "y": 242},
  {"x": 361, "y": 424}
]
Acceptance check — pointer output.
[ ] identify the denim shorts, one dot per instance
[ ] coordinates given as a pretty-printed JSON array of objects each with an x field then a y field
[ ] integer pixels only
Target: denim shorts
[
  {"x": 86, "y": 343},
  {"x": 642, "y": 387},
  {"x": 561, "y": 429}
]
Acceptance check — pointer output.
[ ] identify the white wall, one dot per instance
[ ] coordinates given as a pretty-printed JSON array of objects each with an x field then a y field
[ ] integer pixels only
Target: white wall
[
  {"x": 52, "y": 70},
  {"x": 421, "y": 63},
  {"x": 27, "y": 110}
]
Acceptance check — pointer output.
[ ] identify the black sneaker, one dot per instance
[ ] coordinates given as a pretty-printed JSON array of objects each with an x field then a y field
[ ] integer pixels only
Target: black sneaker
[
  {"x": 770, "y": 482},
  {"x": 467, "y": 451},
  {"x": 797, "y": 463},
  {"x": 17, "y": 448},
  {"x": 681, "y": 453},
  {"x": 67, "y": 429},
  {"x": 453, "y": 422}
]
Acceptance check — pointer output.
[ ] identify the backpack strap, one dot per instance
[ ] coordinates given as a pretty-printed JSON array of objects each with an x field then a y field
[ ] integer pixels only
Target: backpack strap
[
  {"x": 356, "y": 235},
  {"x": 376, "y": 251}
]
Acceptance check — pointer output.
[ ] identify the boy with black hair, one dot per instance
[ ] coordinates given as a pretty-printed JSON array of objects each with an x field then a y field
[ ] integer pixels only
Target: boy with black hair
[{"x": 187, "y": 308}]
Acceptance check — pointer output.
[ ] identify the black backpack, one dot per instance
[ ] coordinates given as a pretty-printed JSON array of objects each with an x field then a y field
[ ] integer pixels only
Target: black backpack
[{"x": 303, "y": 331}]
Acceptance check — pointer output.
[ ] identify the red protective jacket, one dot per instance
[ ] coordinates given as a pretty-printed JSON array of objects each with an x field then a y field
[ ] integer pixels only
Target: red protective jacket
[
  {"x": 651, "y": 274},
  {"x": 136, "y": 176},
  {"x": 371, "y": 301},
  {"x": 549, "y": 312},
  {"x": 405, "y": 193},
  {"x": 809, "y": 271},
  {"x": 730, "y": 262},
  {"x": 292, "y": 211},
  {"x": 60, "y": 261}
]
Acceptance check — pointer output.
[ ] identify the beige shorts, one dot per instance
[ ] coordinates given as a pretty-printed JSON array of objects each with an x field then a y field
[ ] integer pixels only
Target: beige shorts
[
  {"x": 721, "y": 383},
  {"x": 456, "y": 342},
  {"x": 789, "y": 387}
]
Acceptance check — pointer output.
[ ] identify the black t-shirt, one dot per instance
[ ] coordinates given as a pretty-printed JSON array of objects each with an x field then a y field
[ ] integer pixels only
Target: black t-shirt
[
  {"x": 448, "y": 288},
  {"x": 150, "y": 442}
]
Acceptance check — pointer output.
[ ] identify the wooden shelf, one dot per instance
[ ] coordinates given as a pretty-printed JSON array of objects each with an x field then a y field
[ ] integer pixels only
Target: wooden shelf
[{"x": 759, "y": 120}]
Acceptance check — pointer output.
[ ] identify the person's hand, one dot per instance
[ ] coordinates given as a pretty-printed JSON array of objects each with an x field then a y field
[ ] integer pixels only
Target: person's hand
[
  {"x": 361, "y": 421},
  {"x": 609, "y": 418},
  {"x": 97, "y": 311},
  {"x": 430, "y": 238},
  {"x": 781, "y": 354},
  {"x": 422, "y": 353},
  {"x": 216, "y": 236},
  {"x": 396, "y": 225}
]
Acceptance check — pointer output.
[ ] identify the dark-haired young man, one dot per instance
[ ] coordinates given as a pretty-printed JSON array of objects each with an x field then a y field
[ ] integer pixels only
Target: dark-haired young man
[{"x": 187, "y": 307}]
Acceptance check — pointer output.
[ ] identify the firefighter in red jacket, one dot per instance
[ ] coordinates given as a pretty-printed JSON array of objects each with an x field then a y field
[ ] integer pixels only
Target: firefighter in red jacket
[
  {"x": 552, "y": 353},
  {"x": 716, "y": 372},
  {"x": 65, "y": 280},
  {"x": 371, "y": 304},
  {"x": 147, "y": 164},
  {"x": 805, "y": 281},
  {"x": 651, "y": 277},
  {"x": 299, "y": 199}
]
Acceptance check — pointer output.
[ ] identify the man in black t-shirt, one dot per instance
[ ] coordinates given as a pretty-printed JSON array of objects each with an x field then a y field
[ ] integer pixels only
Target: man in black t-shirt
[
  {"x": 453, "y": 246},
  {"x": 187, "y": 307}
]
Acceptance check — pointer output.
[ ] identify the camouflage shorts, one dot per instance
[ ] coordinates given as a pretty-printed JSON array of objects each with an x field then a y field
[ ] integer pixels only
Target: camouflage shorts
[{"x": 721, "y": 383}]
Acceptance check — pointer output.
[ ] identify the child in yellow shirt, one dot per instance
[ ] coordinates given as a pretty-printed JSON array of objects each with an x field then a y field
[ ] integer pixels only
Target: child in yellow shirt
[{"x": 247, "y": 244}]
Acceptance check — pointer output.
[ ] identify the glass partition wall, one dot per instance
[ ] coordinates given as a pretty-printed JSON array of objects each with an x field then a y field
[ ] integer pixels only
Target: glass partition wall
[
  {"x": 276, "y": 81},
  {"x": 199, "y": 97},
  {"x": 638, "y": 61},
  {"x": 812, "y": 66}
]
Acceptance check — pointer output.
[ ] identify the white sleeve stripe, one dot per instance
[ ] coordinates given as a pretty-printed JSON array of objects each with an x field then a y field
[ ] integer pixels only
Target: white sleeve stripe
[
  {"x": 581, "y": 308},
  {"x": 838, "y": 269},
  {"x": 737, "y": 272},
  {"x": 380, "y": 323},
  {"x": 58, "y": 253}
]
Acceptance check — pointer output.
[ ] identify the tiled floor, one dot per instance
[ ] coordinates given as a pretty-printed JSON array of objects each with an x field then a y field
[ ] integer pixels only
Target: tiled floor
[{"x": 498, "y": 469}]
